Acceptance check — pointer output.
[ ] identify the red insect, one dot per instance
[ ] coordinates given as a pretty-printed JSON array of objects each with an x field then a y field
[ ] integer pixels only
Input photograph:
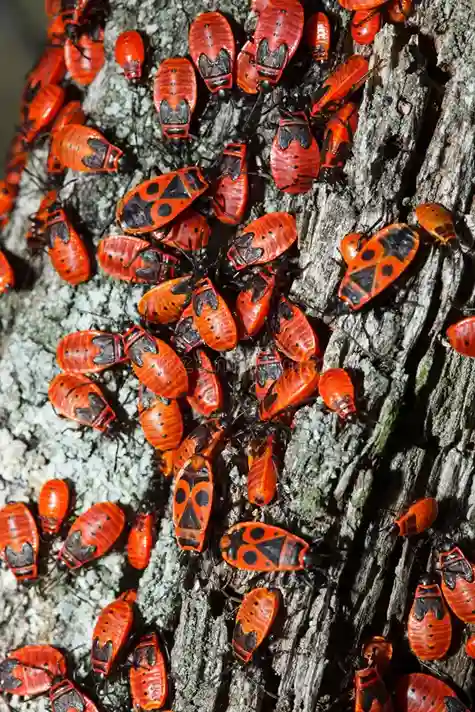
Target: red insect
[
  {"x": 370, "y": 692},
  {"x": 263, "y": 240},
  {"x": 140, "y": 541},
  {"x": 155, "y": 363},
  {"x": 254, "y": 620},
  {"x": 19, "y": 541},
  {"x": 268, "y": 369},
  {"x": 130, "y": 54},
  {"x": 365, "y": 25},
  {"x": 338, "y": 393},
  {"x": 361, "y": 4},
  {"x": 161, "y": 420},
  {"x": 418, "y": 517},
  {"x": 91, "y": 535},
  {"x": 263, "y": 470},
  {"x": 53, "y": 506},
  {"x": 382, "y": 260},
  {"x": 111, "y": 632},
  {"x": 294, "y": 156},
  {"x": 89, "y": 351},
  {"x": 50, "y": 69},
  {"x": 174, "y": 94},
  {"x": 247, "y": 77},
  {"x": 192, "y": 503},
  {"x": 206, "y": 393},
  {"x": 85, "y": 57},
  {"x": 156, "y": 202},
  {"x": 134, "y": 260},
  {"x": 253, "y": 302},
  {"x": 337, "y": 143},
  {"x": 399, "y": 10},
  {"x": 318, "y": 36},
  {"x": 292, "y": 332},
  {"x": 71, "y": 113},
  {"x": 186, "y": 336},
  {"x": 429, "y": 628},
  {"x": 470, "y": 647},
  {"x": 277, "y": 35},
  {"x": 458, "y": 582},
  {"x": 213, "y": 51},
  {"x": 148, "y": 675},
  {"x": 351, "y": 244},
  {"x": 189, "y": 232},
  {"x": 165, "y": 303},
  {"x": 31, "y": 670},
  {"x": 78, "y": 398},
  {"x": 84, "y": 149},
  {"x": 297, "y": 383},
  {"x": 231, "y": 191},
  {"x": 213, "y": 318},
  {"x": 7, "y": 276},
  {"x": 437, "y": 221},
  {"x": 41, "y": 111},
  {"x": 424, "y": 693},
  {"x": 461, "y": 336},
  {"x": 347, "y": 78},
  {"x": 65, "y": 696},
  {"x": 203, "y": 440}
]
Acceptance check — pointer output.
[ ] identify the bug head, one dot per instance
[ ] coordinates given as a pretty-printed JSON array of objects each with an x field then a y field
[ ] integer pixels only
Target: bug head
[
  {"x": 265, "y": 86},
  {"x": 426, "y": 580},
  {"x": 222, "y": 94},
  {"x": 315, "y": 557},
  {"x": 72, "y": 32}
]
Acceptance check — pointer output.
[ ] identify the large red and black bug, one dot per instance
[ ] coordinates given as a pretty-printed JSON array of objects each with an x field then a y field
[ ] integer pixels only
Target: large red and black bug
[
  {"x": 417, "y": 518},
  {"x": 212, "y": 317},
  {"x": 129, "y": 54},
  {"x": 192, "y": 503},
  {"x": 161, "y": 420},
  {"x": 424, "y": 693},
  {"x": 148, "y": 675},
  {"x": 156, "y": 202},
  {"x": 186, "y": 336},
  {"x": 337, "y": 141},
  {"x": 365, "y": 25},
  {"x": 134, "y": 260},
  {"x": 461, "y": 336},
  {"x": 429, "y": 628},
  {"x": 276, "y": 37},
  {"x": 213, "y": 51},
  {"x": 205, "y": 394},
  {"x": 50, "y": 69},
  {"x": 347, "y": 78},
  {"x": 247, "y": 77},
  {"x": 64, "y": 695},
  {"x": 53, "y": 506},
  {"x": 263, "y": 240},
  {"x": 370, "y": 692},
  {"x": 19, "y": 541},
  {"x": 155, "y": 363},
  {"x": 111, "y": 632},
  {"x": 90, "y": 351},
  {"x": 31, "y": 670},
  {"x": 189, "y": 232},
  {"x": 297, "y": 383},
  {"x": 174, "y": 94},
  {"x": 458, "y": 582},
  {"x": 41, "y": 111},
  {"x": 253, "y": 302},
  {"x": 268, "y": 369},
  {"x": 85, "y": 57},
  {"x": 437, "y": 221},
  {"x": 91, "y": 535},
  {"x": 165, "y": 303},
  {"x": 399, "y": 10},
  {"x": 263, "y": 470},
  {"x": 140, "y": 540},
  {"x": 231, "y": 191},
  {"x": 71, "y": 113},
  {"x": 292, "y": 332},
  {"x": 318, "y": 36},
  {"x": 254, "y": 619},
  {"x": 294, "y": 156},
  {"x": 338, "y": 393},
  {"x": 203, "y": 440},
  {"x": 7, "y": 275},
  {"x": 76, "y": 397},
  {"x": 84, "y": 149}
]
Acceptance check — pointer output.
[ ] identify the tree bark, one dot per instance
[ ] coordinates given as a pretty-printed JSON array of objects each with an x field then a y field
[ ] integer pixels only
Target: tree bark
[{"x": 415, "y": 142}]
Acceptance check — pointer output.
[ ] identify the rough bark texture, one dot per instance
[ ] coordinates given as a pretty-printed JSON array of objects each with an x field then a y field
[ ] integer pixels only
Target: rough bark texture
[{"x": 415, "y": 142}]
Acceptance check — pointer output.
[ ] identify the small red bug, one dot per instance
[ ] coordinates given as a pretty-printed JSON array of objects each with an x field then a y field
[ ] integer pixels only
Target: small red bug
[
  {"x": 19, "y": 541},
  {"x": 263, "y": 470},
  {"x": 213, "y": 318},
  {"x": 140, "y": 541},
  {"x": 155, "y": 363},
  {"x": 186, "y": 336},
  {"x": 91, "y": 535},
  {"x": 254, "y": 619},
  {"x": 429, "y": 628},
  {"x": 345, "y": 80},
  {"x": 64, "y": 695},
  {"x": 161, "y": 420},
  {"x": 365, "y": 25},
  {"x": 189, "y": 232},
  {"x": 399, "y": 10},
  {"x": 424, "y": 693},
  {"x": 71, "y": 113},
  {"x": 360, "y": 4},
  {"x": 231, "y": 191},
  {"x": 111, "y": 632},
  {"x": 292, "y": 332},
  {"x": 337, "y": 142},
  {"x": 85, "y": 57},
  {"x": 458, "y": 582},
  {"x": 89, "y": 351},
  {"x": 174, "y": 94},
  {"x": 294, "y": 156},
  {"x": 277, "y": 35},
  {"x": 247, "y": 77},
  {"x": 461, "y": 336},
  {"x": 318, "y": 36},
  {"x": 206, "y": 394},
  {"x": 148, "y": 675},
  {"x": 134, "y": 260},
  {"x": 78, "y": 398},
  {"x": 7, "y": 276},
  {"x": 192, "y": 503},
  {"x": 470, "y": 647},
  {"x": 370, "y": 692},
  {"x": 351, "y": 244},
  {"x": 156, "y": 202},
  {"x": 130, "y": 54},
  {"x": 437, "y": 221},
  {"x": 338, "y": 393},
  {"x": 41, "y": 111},
  {"x": 53, "y": 506},
  {"x": 50, "y": 69},
  {"x": 263, "y": 240},
  {"x": 297, "y": 383},
  {"x": 203, "y": 440},
  {"x": 31, "y": 670},
  {"x": 417, "y": 518},
  {"x": 82, "y": 148},
  {"x": 383, "y": 259},
  {"x": 253, "y": 302},
  {"x": 213, "y": 51},
  {"x": 268, "y": 369},
  {"x": 165, "y": 303}
]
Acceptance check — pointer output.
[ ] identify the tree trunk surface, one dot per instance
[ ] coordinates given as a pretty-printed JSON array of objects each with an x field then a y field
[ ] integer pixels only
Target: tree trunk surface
[{"x": 415, "y": 142}]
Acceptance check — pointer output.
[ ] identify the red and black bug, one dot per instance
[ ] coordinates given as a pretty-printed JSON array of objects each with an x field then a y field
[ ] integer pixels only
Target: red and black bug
[
  {"x": 263, "y": 470},
  {"x": 41, "y": 111},
  {"x": 130, "y": 54},
  {"x": 254, "y": 619},
  {"x": 85, "y": 57},
  {"x": 161, "y": 420},
  {"x": 268, "y": 369},
  {"x": 19, "y": 541},
  {"x": 417, "y": 518},
  {"x": 399, "y": 10},
  {"x": 365, "y": 25},
  {"x": 424, "y": 693},
  {"x": 461, "y": 336},
  {"x": 292, "y": 332},
  {"x": 192, "y": 503},
  {"x": 7, "y": 275},
  {"x": 212, "y": 317},
  {"x": 206, "y": 394},
  {"x": 148, "y": 675},
  {"x": 134, "y": 260},
  {"x": 347, "y": 78},
  {"x": 370, "y": 692},
  {"x": 186, "y": 336},
  {"x": 165, "y": 303},
  {"x": 31, "y": 670},
  {"x": 71, "y": 113},
  {"x": 297, "y": 383},
  {"x": 189, "y": 232},
  {"x": 91, "y": 535},
  {"x": 203, "y": 440},
  {"x": 76, "y": 397},
  {"x": 90, "y": 351},
  {"x": 294, "y": 156},
  {"x": 64, "y": 695},
  {"x": 140, "y": 541},
  {"x": 429, "y": 628},
  {"x": 458, "y": 582},
  {"x": 111, "y": 632},
  {"x": 53, "y": 506},
  {"x": 437, "y": 221},
  {"x": 263, "y": 240},
  {"x": 253, "y": 302},
  {"x": 213, "y": 51},
  {"x": 247, "y": 77},
  {"x": 50, "y": 69},
  {"x": 337, "y": 142},
  {"x": 338, "y": 393},
  {"x": 84, "y": 149},
  {"x": 318, "y": 36},
  {"x": 174, "y": 94},
  {"x": 231, "y": 191},
  {"x": 276, "y": 37}
]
